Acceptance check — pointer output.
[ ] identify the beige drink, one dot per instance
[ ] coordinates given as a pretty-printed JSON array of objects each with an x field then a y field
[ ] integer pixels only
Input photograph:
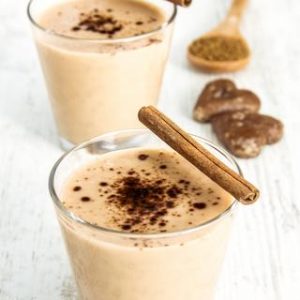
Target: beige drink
[
  {"x": 159, "y": 199},
  {"x": 102, "y": 61}
]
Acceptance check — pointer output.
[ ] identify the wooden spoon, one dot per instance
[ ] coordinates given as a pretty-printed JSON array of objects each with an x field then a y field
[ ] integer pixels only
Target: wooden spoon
[{"x": 228, "y": 28}]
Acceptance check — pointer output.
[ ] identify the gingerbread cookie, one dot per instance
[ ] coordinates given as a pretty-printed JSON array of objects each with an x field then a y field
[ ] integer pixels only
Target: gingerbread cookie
[
  {"x": 245, "y": 134},
  {"x": 221, "y": 96}
]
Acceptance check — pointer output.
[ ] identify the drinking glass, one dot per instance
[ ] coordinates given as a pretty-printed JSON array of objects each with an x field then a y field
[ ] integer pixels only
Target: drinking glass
[
  {"x": 117, "y": 265},
  {"x": 98, "y": 85}
]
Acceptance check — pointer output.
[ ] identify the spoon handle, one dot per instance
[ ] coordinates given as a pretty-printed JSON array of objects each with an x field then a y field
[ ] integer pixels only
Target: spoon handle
[{"x": 236, "y": 11}]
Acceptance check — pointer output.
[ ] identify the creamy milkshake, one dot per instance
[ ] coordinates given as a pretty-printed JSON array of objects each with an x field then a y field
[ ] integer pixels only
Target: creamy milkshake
[
  {"x": 102, "y": 60},
  {"x": 148, "y": 231}
]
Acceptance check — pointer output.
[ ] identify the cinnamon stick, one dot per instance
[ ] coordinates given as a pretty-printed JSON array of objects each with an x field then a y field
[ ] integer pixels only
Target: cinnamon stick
[
  {"x": 196, "y": 154},
  {"x": 183, "y": 3}
]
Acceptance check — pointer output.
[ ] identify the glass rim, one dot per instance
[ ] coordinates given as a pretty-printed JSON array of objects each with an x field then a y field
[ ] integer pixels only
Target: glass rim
[
  {"x": 168, "y": 22},
  {"x": 153, "y": 236}
]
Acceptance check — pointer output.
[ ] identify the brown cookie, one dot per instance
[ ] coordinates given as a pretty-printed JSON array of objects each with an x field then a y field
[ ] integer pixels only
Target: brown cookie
[
  {"x": 245, "y": 134},
  {"x": 221, "y": 96}
]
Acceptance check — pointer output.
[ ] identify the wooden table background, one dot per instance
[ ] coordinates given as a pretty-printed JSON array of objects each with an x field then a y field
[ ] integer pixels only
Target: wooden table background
[{"x": 263, "y": 261}]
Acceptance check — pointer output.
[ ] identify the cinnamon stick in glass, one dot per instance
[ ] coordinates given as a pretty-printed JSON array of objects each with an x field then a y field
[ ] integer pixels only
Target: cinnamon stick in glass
[
  {"x": 183, "y": 3},
  {"x": 196, "y": 154}
]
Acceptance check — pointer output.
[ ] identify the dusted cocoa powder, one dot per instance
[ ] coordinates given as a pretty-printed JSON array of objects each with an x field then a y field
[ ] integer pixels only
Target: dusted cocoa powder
[
  {"x": 99, "y": 23},
  {"x": 143, "y": 200},
  {"x": 144, "y": 191}
]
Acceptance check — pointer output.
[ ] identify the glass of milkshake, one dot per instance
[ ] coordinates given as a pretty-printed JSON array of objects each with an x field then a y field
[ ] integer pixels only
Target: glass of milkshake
[
  {"x": 102, "y": 60},
  {"x": 139, "y": 221}
]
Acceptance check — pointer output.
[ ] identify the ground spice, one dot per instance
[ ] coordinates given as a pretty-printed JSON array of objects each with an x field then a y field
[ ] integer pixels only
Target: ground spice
[
  {"x": 99, "y": 23},
  {"x": 144, "y": 201},
  {"x": 219, "y": 48}
]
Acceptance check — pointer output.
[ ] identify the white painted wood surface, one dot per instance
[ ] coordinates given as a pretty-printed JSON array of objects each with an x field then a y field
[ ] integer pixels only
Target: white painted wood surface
[{"x": 263, "y": 261}]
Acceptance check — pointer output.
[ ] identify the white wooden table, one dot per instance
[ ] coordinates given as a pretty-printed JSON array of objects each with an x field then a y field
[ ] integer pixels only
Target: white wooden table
[{"x": 263, "y": 261}]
